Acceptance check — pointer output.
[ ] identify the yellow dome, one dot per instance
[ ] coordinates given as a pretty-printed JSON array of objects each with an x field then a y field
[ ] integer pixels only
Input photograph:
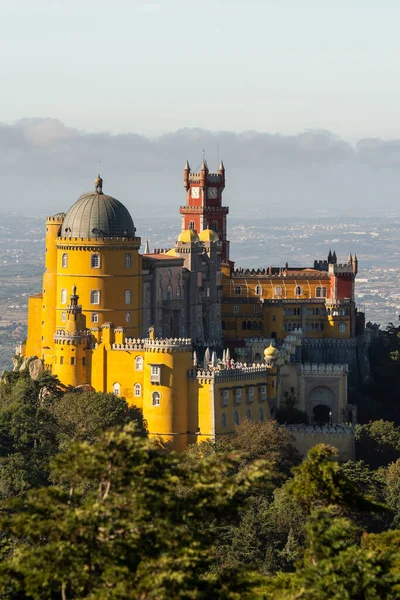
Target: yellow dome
[
  {"x": 271, "y": 351},
  {"x": 188, "y": 236},
  {"x": 171, "y": 252},
  {"x": 208, "y": 235}
]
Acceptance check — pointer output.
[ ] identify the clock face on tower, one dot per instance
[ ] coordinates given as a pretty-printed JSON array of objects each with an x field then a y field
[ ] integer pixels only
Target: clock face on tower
[
  {"x": 212, "y": 193},
  {"x": 195, "y": 191}
]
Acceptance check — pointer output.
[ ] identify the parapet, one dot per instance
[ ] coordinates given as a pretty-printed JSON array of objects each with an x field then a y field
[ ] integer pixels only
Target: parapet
[
  {"x": 224, "y": 373},
  {"x": 157, "y": 345},
  {"x": 328, "y": 369}
]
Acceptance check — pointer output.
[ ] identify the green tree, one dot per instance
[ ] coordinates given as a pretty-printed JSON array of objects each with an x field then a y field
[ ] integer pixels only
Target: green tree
[{"x": 378, "y": 443}]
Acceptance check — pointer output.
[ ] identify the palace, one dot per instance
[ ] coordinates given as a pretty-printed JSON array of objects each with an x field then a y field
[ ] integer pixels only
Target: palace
[{"x": 197, "y": 343}]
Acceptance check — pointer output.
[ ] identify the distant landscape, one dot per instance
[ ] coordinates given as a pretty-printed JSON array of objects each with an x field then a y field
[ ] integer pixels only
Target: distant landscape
[{"x": 258, "y": 240}]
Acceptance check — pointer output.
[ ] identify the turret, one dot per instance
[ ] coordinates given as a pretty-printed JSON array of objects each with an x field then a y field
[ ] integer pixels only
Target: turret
[
  {"x": 350, "y": 259},
  {"x": 186, "y": 173},
  {"x": 330, "y": 261},
  {"x": 221, "y": 173},
  {"x": 334, "y": 258},
  {"x": 355, "y": 264},
  {"x": 203, "y": 173}
]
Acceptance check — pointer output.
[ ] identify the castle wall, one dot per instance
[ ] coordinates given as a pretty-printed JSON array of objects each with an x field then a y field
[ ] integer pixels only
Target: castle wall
[{"x": 339, "y": 436}]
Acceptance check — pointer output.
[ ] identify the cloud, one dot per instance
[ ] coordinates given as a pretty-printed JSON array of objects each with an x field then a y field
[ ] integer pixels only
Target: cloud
[{"x": 46, "y": 165}]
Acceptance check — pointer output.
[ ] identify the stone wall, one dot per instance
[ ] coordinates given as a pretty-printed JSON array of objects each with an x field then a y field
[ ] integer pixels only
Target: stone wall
[{"x": 339, "y": 436}]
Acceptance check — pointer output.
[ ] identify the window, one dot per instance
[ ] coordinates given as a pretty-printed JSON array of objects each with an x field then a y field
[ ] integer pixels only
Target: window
[
  {"x": 116, "y": 389},
  {"x": 148, "y": 296},
  {"x": 61, "y": 360},
  {"x": 155, "y": 398},
  {"x": 63, "y": 296},
  {"x": 95, "y": 317},
  {"x": 278, "y": 290},
  {"x": 235, "y": 309},
  {"x": 170, "y": 293},
  {"x": 95, "y": 297},
  {"x": 342, "y": 327},
  {"x": 273, "y": 317},
  {"x": 127, "y": 317},
  {"x": 169, "y": 274},
  {"x": 128, "y": 261},
  {"x": 225, "y": 397},
  {"x": 214, "y": 225},
  {"x": 178, "y": 292},
  {"x": 223, "y": 420},
  {"x": 137, "y": 390},
  {"x": 261, "y": 414},
  {"x": 238, "y": 396},
  {"x": 263, "y": 391},
  {"x": 238, "y": 290},
  {"x": 236, "y": 418},
  {"x": 248, "y": 414},
  {"x": 256, "y": 309},
  {"x": 138, "y": 363},
  {"x": 64, "y": 260},
  {"x": 191, "y": 225},
  {"x": 95, "y": 261},
  {"x": 160, "y": 294},
  {"x": 63, "y": 316},
  {"x": 83, "y": 361},
  {"x": 73, "y": 360},
  {"x": 320, "y": 292},
  {"x": 251, "y": 394},
  {"x": 259, "y": 290},
  {"x": 298, "y": 290},
  {"x": 244, "y": 325},
  {"x": 155, "y": 374},
  {"x": 127, "y": 296}
]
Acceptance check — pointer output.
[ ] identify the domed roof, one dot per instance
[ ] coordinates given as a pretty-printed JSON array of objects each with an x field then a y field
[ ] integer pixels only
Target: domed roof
[
  {"x": 96, "y": 215},
  {"x": 208, "y": 235},
  {"x": 271, "y": 352},
  {"x": 171, "y": 252},
  {"x": 187, "y": 236}
]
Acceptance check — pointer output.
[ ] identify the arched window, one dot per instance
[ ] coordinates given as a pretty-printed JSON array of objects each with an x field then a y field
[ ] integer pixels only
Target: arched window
[
  {"x": 261, "y": 414},
  {"x": 323, "y": 292},
  {"x": 64, "y": 260},
  {"x": 137, "y": 390},
  {"x": 223, "y": 420},
  {"x": 178, "y": 292},
  {"x": 298, "y": 290},
  {"x": 191, "y": 225},
  {"x": 95, "y": 317},
  {"x": 342, "y": 327},
  {"x": 160, "y": 294},
  {"x": 238, "y": 396},
  {"x": 238, "y": 290},
  {"x": 236, "y": 418},
  {"x": 138, "y": 363},
  {"x": 155, "y": 398},
  {"x": 251, "y": 394},
  {"x": 259, "y": 290},
  {"x": 263, "y": 393},
  {"x": 226, "y": 397},
  {"x": 116, "y": 389},
  {"x": 127, "y": 296},
  {"x": 95, "y": 261},
  {"x": 127, "y": 317},
  {"x": 248, "y": 414},
  {"x": 214, "y": 225},
  {"x": 318, "y": 292},
  {"x": 63, "y": 316},
  {"x": 169, "y": 293},
  {"x": 128, "y": 261},
  {"x": 63, "y": 296},
  {"x": 95, "y": 297},
  {"x": 248, "y": 324},
  {"x": 278, "y": 290}
]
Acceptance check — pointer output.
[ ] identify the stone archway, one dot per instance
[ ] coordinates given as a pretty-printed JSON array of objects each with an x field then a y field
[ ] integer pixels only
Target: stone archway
[{"x": 321, "y": 402}]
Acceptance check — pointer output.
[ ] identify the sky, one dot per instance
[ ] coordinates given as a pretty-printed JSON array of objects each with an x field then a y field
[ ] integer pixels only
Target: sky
[{"x": 277, "y": 66}]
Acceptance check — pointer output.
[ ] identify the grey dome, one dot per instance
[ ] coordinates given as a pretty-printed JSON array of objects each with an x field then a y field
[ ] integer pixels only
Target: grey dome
[{"x": 96, "y": 215}]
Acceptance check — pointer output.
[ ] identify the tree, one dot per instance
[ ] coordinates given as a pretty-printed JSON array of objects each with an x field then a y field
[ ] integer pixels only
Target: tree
[
  {"x": 145, "y": 529},
  {"x": 378, "y": 443},
  {"x": 288, "y": 411}
]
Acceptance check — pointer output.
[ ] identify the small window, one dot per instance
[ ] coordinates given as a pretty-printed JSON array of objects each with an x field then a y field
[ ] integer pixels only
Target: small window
[
  {"x": 251, "y": 394},
  {"x": 127, "y": 296},
  {"x": 236, "y": 418},
  {"x": 261, "y": 414},
  {"x": 342, "y": 327},
  {"x": 238, "y": 396},
  {"x": 235, "y": 309},
  {"x": 155, "y": 397},
  {"x": 95, "y": 261},
  {"x": 191, "y": 225},
  {"x": 95, "y": 317},
  {"x": 170, "y": 293},
  {"x": 83, "y": 361},
  {"x": 278, "y": 290},
  {"x": 160, "y": 294},
  {"x": 259, "y": 290},
  {"x": 127, "y": 317},
  {"x": 116, "y": 389},
  {"x": 226, "y": 397},
  {"x": 63, "y": 316},
  {"x": 169, "y": 274},
  {"x": 64, "y": 260},
  {"x": 138, "y": 363},
  {"x": 73, "y": 360},
  {"x": 263, "y": 392},
  {"x": 248, "y": 414},
  {"x": 137, "y": 390},
  {"x": 63, "y": 296},
  {"x": 178, "y": 292},
  {"x": 95, "y": 297},
  {"x": 238, "y": 290},
  {"x": 61, "y": 360},
  {"x": 256, "y": 309},
  {"x": 298, "y": 290},
  {"x": 155, "y": 370},
  {"x": 223, "y": 420},
  {"x": 128, "y": 261},
  {"x": 214, "y": 226}
]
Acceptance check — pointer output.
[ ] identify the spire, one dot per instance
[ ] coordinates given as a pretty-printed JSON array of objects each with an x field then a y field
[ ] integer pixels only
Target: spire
[
  {"x": 204, "y": 165},
  {"x": 330, "y": 257},
  {"x": 214, "y": 361},
  {"x": 195, "y": 359},
  {"x": 187, "y": 166},
  {"x": 350, "y": 259},
  {"x": 146, "y": 248},
  {"x": 207, "y": 357},
  {"x": 334, "y": 258},
  {"x": 221, "y": 168}
]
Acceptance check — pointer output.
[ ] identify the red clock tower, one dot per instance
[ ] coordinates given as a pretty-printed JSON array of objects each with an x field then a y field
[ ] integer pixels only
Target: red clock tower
[{"x": 204, "y": 208}]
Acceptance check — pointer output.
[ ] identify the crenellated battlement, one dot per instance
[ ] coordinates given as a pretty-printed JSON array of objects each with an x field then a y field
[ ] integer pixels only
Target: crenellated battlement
[
  {"x": 156, "y": 345},
  {"x": 307, "y": 430},
  {"x": 322, "y": 369},
  {"x": 223, "y": 373}
]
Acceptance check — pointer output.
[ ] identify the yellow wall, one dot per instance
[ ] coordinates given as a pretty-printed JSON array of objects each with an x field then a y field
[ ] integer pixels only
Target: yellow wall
[{"x": 34, "y": 340}]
